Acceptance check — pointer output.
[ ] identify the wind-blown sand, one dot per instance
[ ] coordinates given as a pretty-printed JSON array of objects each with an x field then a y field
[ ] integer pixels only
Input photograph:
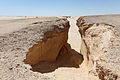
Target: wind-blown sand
[{"x": 74, "y": 37}]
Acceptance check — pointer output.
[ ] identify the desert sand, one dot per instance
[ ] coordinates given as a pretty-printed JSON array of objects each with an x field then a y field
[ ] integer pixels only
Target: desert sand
[
  {"x": 74, "y": 37},
  {"x": 11, "y": 24}
]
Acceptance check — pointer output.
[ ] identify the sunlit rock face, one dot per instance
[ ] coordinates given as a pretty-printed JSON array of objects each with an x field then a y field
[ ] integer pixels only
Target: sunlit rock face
[
  {"x": 53, "y": 41},
  {"x": 101, "y": 45}
]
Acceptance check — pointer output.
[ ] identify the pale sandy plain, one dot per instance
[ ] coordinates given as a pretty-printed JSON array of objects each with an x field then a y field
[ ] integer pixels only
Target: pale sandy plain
[{"x": 9, "y": 24}]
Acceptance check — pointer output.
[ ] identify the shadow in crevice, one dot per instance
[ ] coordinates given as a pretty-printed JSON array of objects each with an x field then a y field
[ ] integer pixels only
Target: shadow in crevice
[{"x": 70, "y": 59}]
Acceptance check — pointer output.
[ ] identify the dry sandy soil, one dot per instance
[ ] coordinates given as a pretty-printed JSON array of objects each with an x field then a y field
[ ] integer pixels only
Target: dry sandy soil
[
  {"x": 74, "y": 38},
  {"x": 11, "y": 24}
]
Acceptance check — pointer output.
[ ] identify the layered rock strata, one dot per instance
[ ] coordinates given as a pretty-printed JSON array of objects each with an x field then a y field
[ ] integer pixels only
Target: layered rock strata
[
  {"x": 101, "y": 45},
  {"x": 40, "y": 40}
]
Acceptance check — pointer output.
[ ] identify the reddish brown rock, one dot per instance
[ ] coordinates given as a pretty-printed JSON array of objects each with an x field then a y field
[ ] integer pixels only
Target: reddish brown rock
[{"x": 50, "y": 46}]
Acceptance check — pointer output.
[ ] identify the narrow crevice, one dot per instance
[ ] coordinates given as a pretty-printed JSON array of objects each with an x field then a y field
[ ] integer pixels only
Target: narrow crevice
[{"x": 69, "y": 56}]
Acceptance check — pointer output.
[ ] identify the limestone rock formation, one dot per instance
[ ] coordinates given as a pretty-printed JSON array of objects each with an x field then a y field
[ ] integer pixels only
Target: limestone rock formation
[
  {"x": 51, "y": 44},
  {"x": 101, "y": 45},
  {"x": 39, "y": 39}
]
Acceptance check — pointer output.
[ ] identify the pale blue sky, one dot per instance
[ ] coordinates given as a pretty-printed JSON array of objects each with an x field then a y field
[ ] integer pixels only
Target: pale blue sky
[{"x": 58, "y": 7}]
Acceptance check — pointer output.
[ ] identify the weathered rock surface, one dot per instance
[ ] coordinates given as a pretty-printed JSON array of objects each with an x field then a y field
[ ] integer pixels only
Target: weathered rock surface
[
  {"x": 101, "y": 45},
  {"x": 40, "y": 41},
  {"x": 51, "y": 44}
]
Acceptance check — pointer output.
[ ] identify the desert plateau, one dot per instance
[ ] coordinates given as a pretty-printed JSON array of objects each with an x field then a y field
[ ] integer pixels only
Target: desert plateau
[{"x": 60, "y": 47}]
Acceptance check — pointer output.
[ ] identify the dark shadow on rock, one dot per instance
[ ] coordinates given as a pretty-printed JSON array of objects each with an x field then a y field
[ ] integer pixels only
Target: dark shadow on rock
[{"x": 70, "y": 59}]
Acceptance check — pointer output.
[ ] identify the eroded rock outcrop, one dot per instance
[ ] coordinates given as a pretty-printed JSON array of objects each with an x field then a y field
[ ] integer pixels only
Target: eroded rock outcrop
[
  {"x": 40, "y": 39},
  {"x": 51, "y": 44},
  {"x": 101, "y": 45}
]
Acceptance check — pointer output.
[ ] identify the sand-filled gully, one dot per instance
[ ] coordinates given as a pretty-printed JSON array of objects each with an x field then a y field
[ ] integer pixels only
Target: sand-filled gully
[{"x": 69, "y": 56}]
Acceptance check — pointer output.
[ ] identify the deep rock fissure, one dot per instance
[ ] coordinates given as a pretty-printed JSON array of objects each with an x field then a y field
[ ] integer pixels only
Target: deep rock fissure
[
  {"x": 96, "y": 46},
  {"x": 68, "y": 55}
]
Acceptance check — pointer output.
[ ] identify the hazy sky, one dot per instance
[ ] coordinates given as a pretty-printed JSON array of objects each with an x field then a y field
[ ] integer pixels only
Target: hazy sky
[{"x": 58, "y": 7}]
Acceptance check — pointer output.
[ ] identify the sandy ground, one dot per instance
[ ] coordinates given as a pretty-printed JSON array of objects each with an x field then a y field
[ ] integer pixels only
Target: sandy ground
[
  {"x": 74, "y": 38},
  {"x": 9, "y": 24},
  {"x": 11, "y": 17},
  {"x": 20, "y": 17}
]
